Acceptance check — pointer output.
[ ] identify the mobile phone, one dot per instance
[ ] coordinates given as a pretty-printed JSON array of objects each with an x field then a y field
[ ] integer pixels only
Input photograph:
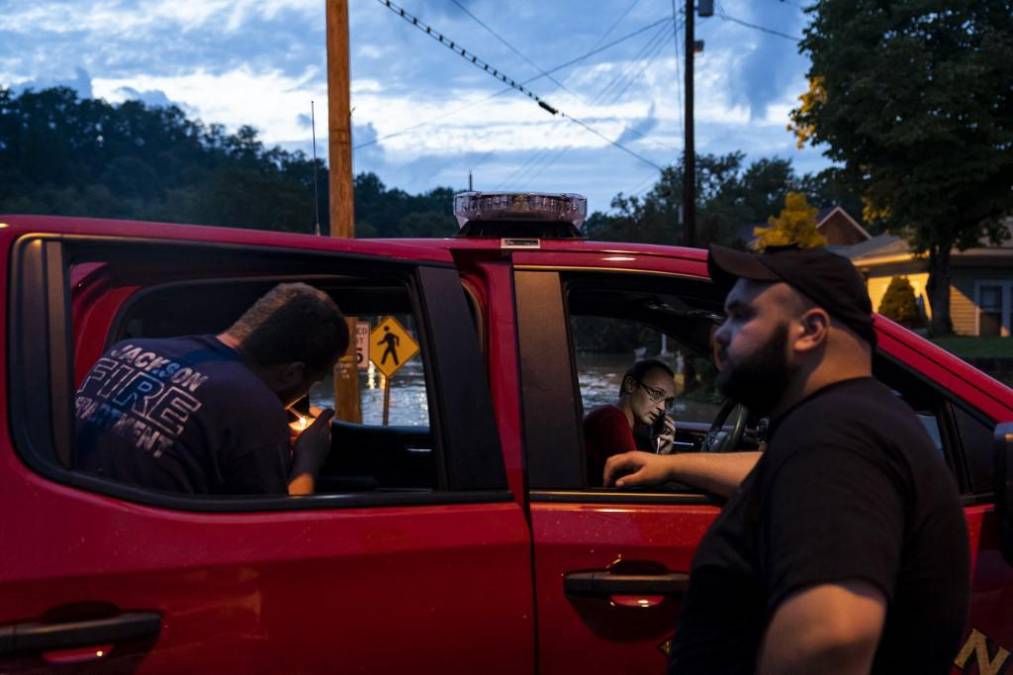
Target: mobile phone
[{"x": 657, "y": 428}]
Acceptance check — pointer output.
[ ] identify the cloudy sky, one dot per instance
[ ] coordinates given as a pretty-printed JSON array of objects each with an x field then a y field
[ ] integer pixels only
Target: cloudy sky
[{"x": 422, "y": 115}]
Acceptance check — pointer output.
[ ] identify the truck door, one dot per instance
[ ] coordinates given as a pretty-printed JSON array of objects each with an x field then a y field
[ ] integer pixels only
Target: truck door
[
  {"x": 961, "y": 407},
  {"x": 412, "y": 556},
  {"x": 610, "y": 566}
]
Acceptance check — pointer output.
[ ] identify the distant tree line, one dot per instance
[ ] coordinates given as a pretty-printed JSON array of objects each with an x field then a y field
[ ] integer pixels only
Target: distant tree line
[{"x": 63, "y": 155}]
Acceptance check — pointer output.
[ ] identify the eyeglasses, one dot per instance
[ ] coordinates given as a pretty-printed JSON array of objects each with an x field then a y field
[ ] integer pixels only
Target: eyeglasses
[{"x": 656, "y": 395}]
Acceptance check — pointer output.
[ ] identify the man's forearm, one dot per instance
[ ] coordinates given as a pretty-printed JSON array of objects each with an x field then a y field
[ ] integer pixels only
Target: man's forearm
[{"x": 720, "y": 473}]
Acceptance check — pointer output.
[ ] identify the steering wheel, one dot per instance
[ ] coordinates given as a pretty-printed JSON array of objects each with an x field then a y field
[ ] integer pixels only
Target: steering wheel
[{"x": 719, "y": 440}]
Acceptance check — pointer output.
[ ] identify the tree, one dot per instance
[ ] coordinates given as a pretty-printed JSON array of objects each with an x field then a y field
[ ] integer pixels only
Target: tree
[
  {"x": 899, "y": 303},
  {"x": 63, "y": 155},
  {"x": 731, "y": 198},
  {"x": 913, "y": 98},
  {"x": 796, "y": 224}
]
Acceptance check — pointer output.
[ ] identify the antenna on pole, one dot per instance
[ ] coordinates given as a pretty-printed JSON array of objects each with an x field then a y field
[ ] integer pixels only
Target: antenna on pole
[{"x": 316, "y": 181}]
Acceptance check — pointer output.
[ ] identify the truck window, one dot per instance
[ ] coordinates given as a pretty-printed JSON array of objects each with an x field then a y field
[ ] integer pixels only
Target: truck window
[
  {"x": 93, "y": 297},
  {"x": 606, "y": 322},
  {"x": 604, "y": 348}
]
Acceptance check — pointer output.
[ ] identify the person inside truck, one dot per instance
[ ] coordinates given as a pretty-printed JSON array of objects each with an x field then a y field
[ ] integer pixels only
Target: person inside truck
[
  {"x": 844, "y": 549},
  {"x": 207, "y": 414},
  {"x": 639, "y": 420}
]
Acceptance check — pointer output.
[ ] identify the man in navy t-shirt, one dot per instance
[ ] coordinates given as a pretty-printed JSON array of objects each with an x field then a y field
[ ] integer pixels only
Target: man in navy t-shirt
[{"x": 207, "y": 414}]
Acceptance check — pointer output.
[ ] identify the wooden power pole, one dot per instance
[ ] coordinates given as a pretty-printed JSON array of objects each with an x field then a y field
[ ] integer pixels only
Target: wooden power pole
[
  {"x": 339, "y": 121},
  {"x": 341, "y": 194},
  {"x": 689, "y": 162}
]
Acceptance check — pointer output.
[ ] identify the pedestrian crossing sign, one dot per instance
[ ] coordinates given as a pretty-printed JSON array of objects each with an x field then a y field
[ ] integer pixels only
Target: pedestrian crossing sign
[{"x": 391, "y": 346}]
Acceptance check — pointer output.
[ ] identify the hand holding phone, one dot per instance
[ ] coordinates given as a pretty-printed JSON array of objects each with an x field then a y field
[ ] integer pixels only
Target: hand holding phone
[{"x": 663, "y": 434}]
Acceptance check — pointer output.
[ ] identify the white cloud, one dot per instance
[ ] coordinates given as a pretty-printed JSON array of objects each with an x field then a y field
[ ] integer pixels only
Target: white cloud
[
  {"x": 120, "y": 18},
  {"x": 269, "y": 101},
  {"x": 246, "y": 62}
]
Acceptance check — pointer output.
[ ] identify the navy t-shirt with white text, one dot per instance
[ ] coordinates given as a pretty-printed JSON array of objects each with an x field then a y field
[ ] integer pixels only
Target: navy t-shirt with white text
[{"x": 182, "y": 415}]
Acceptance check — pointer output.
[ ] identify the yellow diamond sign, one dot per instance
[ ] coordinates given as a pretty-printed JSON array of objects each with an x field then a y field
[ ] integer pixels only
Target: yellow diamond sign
[{"x": 390, "y": 346}]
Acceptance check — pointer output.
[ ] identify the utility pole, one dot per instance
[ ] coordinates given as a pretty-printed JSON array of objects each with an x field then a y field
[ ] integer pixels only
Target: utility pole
[
  {"x": 342, "y": 206},
  {"x": 689, "y": 160},
  {"x": 339, "y": 121}
]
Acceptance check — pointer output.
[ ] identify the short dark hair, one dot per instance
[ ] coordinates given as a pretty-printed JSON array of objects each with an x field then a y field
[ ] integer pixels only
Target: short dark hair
[
  {"x": 639, "y": 369},
  {"x": 292, "y": 322}
]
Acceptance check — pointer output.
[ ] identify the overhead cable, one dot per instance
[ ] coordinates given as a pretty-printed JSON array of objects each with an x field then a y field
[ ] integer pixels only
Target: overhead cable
[
  {"x": 469, "y": 56},
  {"x": 543, "y": 159},
  {"x": 764, "y": 29},
  {"x": 511, "y": 47},
  {"x": 578, "y": 59}
]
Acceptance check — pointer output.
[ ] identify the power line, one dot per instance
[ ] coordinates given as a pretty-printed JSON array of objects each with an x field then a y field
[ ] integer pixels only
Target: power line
[
  {"x": 615, "y": 143},
  {"x": 543, "y": 159},
  {"x": 764, "y": 29},
  {"x": 469, "y": 56},
  {"x": 627, "y": 70},
  {"x": 619, "y": 20},
  {"x": 648, "y": 61},
  {"x": 598, "y": 50},
  {"x": 465, "y": 54},
  {"x": 578, "y": 59},
  {"x": 511, "y": 47}
]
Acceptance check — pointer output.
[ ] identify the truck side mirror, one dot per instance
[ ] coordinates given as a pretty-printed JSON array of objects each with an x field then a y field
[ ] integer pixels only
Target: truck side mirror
[{"x": 1003, "y": 479}]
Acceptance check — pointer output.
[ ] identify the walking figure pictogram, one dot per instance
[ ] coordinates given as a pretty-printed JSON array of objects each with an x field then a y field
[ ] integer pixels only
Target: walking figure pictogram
[
  {"x": 391, "y": 346},
  {"x": 392, "y": 342}
]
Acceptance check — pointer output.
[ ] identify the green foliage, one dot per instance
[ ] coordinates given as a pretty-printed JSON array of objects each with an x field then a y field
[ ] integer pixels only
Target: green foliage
[
  {"x": 913, "y": 98},
  {"x": 899, "y": 303},
  {"x": 731, "y": 198},
  {"x": 63, "y": 155},
  {"x": 380, "y": 212},
  {"x": 796, "y": 224}
]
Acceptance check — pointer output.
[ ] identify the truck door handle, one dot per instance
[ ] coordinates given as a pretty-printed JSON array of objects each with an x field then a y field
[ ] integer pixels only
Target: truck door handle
[
  {"x": 602, "y": 584},
  {"x": 35, "y": 636}
]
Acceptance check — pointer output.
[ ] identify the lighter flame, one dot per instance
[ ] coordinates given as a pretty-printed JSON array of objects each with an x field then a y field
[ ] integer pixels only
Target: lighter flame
[{"x": 300, "y": 423}]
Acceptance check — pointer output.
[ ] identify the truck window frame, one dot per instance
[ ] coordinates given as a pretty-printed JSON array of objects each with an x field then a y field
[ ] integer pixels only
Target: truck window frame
[
  {"x": 41, "y": 373},
  {"x": 555, "y": 456},
  {"x": 550, "y": 399}
]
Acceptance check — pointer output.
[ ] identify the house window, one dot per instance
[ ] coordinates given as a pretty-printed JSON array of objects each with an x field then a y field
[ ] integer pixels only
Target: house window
[{"x": 994, "y": 300}]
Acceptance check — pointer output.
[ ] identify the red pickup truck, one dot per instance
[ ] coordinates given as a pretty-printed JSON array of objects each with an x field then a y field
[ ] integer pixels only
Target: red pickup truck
[{"x": 464, "y": 536}]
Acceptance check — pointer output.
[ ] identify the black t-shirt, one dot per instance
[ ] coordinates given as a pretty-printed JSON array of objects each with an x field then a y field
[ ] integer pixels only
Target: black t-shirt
[
  {"x": 850, "y": 488},
  {"x": 182, "y": 415}
]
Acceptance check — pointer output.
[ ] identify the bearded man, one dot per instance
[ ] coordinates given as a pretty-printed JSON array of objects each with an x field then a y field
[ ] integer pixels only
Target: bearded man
[{"x": 843, "y": 547}]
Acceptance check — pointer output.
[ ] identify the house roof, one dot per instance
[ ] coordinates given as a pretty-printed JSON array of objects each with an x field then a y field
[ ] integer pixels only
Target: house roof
[
  {"x": 889, "y": 246},
  {"x": 874, "y": 247},
  {"x": 827, "y": 211}
]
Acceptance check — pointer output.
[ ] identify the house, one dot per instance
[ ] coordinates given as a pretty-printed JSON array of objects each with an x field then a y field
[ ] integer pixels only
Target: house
[
  {"x": 833, "y": 222},
  {"x": 981, "y": 280},
  {"x": 839, "y": 228}
]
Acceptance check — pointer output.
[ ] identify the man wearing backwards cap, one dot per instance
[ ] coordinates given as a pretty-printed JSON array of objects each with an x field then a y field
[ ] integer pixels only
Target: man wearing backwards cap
[{"x": 844, "y": 549}]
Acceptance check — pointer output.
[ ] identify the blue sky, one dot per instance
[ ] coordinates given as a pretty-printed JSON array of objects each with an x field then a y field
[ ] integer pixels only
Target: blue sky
[{"x": 261, "y": 62}]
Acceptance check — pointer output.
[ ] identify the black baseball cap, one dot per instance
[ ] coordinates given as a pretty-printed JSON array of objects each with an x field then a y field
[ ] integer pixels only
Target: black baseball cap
[{"x": 828, "y": 279}]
